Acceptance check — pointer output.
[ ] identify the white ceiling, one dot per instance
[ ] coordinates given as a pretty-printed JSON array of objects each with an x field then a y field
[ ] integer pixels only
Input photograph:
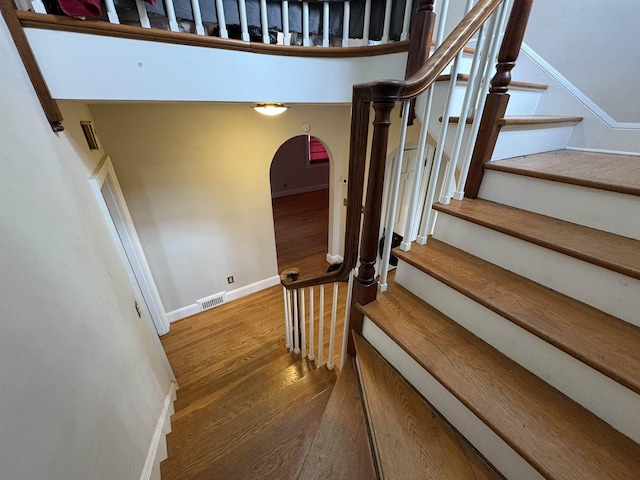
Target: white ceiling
[{"x": 596, "y": 46}]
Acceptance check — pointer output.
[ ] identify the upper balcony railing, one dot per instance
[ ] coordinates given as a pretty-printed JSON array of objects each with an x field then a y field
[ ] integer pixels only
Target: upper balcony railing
[{"x": 321, "y": 23}]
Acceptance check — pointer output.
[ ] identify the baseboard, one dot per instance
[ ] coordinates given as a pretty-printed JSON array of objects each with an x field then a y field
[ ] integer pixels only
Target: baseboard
[
  {"x": 297, "y": 191},
  {"x": 158, "y": 448},
  {"x": 183, "y": 312},
  {"x": 333, "y": 259},
  {"x": 251, "y": 288},
  {"x": 230, "y": 296},
  {"x": 602, "y": 150}
]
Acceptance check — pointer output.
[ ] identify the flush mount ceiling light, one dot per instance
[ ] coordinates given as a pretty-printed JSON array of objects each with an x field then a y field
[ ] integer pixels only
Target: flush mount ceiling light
[{"x": 270, "y": 109}]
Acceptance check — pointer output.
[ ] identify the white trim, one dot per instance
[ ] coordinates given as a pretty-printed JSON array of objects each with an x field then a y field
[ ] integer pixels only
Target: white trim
[
  {"x": 602, "y": 150},
  {"x": 333, "y": 259},
  {"x": 576, "y": 92},
  {"x": 183, "y": 312},
  {"x": 188, "y": 310},
  {"x": 296, "y": 191},
  {"x": 131, "y": 253},
  {"x": 163, "y": 426},
  {"x": 252, "y": 288}
]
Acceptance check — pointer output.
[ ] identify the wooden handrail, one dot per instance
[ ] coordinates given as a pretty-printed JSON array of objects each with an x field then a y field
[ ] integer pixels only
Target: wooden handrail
[
  {"x": 383, "y": 95},
  {"x": 50, "y": 107},
  {"x": 97, "y": 27}
]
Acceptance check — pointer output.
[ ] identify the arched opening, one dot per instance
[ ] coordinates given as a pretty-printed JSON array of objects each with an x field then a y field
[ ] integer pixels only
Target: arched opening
[{"x": 299, "y": 177}]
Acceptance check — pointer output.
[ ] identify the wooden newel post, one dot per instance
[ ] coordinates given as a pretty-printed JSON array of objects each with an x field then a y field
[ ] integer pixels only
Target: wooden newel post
[
  {"x": 497, "y": 98},
  {"x": 365, "y": 285},
  {"x": 422, "y": 26}
]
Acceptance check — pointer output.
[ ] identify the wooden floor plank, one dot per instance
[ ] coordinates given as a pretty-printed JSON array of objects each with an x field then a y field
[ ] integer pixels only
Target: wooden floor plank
[
  {"x": 617, "y": 173},
  {"x": 276, "y": 453},
  {"x": 411, "y": 441},
  {"x": 607, "y": 250},
  {"x": 341, "y": 448},
  {"x": 600, "y": 340},
  {"x": 558, "y": 437}
]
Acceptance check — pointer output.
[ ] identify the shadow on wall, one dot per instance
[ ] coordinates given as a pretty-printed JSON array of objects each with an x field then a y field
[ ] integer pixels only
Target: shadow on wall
[{"x": 300, "y": 165}]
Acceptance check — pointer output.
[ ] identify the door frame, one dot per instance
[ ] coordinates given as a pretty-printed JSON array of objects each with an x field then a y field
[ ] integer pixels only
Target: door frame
[{"x": 125, "y": 238}]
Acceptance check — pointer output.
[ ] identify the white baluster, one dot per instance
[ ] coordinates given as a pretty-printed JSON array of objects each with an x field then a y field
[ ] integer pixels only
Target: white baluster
[
  {"x": 427, "y": 221},
  {"x": 264, "y": 22},
  {"x": 367, "y": 23},
  {"x": 242, "y": 13},
  {"x": 296, "y": 324},
  {"x": 197, "y": 16},
  {"x": 387, "y": 22},
  {"x": 321, "y": 329},
  {"x": 142, "y": 13},
  {"x": 325, "y": 24},
  {"x": 347, "y": 313},
  {"x": 346, "y": 18},
  {"x": 111, "y": 12},
  {"x": 416, "y": 198},
  {"x": 305, "y": 24},
  {"x": 303, "y": 325},
  {"x": 171, "y": 14},
  {"x": 287, "y": 318},
  {"x": 406, "y": 23},
  {"x": 332, "y": 333},
  {"x": 494, "y": 45},
  {"x": 312, "y": 355},
  {"x": 285, "y": 22},
  {"x": 36, "y": 5},
  {"x": 428, "y": 217},
  {"x": 222, "y": 22},
  {"x": 448, "y": 183},
  {"x": 393, "y": 199}
]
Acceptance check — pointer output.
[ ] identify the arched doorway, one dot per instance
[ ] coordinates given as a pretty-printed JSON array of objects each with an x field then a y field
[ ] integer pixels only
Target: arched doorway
[{"x": 299, "y": 178}]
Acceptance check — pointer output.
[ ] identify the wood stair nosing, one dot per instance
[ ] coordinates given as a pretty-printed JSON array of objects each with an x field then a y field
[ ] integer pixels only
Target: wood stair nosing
[
  {"x": 514, "y": 84},
  {"x": 525, "y": 120},
  {"x": 559, "y": 438},
  {"x": 410, "y": 439},
  {"x": 607, "y": 250},
  {"x": 601, "y": 341},
  {"x": 341, "y": 448}
]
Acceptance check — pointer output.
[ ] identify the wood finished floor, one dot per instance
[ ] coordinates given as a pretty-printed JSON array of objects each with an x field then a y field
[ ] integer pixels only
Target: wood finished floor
[{"x": 246, "y": 408}]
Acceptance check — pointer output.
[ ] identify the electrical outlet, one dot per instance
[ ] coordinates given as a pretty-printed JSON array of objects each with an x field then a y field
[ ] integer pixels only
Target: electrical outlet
[
  {"x": 344, "y": 202},
  {"x": 230, "y": 280}
]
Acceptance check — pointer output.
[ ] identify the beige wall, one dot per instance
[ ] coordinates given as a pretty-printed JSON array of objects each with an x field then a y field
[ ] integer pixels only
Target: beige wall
[
  {"x": 196, "y": 179},
  {"x": 82, "y": 382}
]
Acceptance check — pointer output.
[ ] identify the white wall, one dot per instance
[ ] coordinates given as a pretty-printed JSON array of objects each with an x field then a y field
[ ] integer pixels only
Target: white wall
[
  {"x": 107, "y": 68},
  {"x": 196, "y": 180},
  {"x": 82, "y": 382},
  {"x": 595, "y": 46}
]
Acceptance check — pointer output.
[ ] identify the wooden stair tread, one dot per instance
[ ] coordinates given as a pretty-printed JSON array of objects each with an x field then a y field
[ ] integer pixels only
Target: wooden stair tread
[
  {"x": 558, "y": 437},
  {"x": 524, "y": 120},
  {"x": 617, "y": 173},
  {"x": 514, "y": 84},
  {"x": 341, "y": 447},
  {"x": 410, "y": 440},
  {"x": 607, "y": 250},
  {"x": 602, "y": 341}
]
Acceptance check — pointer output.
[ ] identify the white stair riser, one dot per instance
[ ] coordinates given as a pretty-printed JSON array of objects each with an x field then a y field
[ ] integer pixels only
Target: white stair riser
[
  {"x": 494, "y": 449},
  {"x": 609, "y": 211},
  {"x": 515, "y": 141},
  {"x": 611, "y": 292},
  {"x": 614, "y": 403}
]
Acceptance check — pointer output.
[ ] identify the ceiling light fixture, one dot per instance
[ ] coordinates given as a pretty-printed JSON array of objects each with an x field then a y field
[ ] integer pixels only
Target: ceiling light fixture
[{"x": 270, "y": 109}]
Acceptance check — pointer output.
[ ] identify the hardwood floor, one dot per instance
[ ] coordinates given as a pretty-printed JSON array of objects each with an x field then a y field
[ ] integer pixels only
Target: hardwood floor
[
  {"x": 246, "y": 408},
  {"x": 301, "y": 225}
]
